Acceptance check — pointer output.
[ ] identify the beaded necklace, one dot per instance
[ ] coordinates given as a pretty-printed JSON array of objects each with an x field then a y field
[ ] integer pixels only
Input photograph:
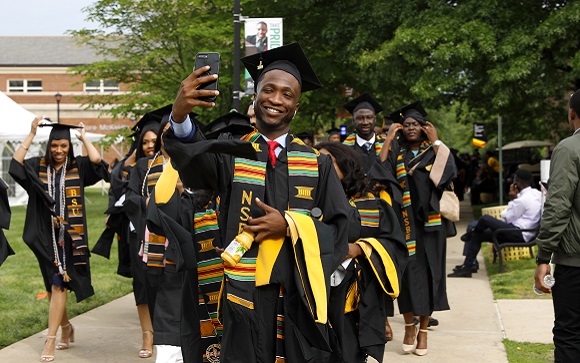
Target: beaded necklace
[{"x": 51, "y": 176}]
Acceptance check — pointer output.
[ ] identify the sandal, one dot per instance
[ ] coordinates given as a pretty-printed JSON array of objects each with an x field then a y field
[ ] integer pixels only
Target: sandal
[
  {"x": 48, "y": 357},
  {"x": 66, "y": 339},
  {"x": 421, "y": 351},
  {"x": 409, "y": 348},
  {"x": 146, "y": 352}
]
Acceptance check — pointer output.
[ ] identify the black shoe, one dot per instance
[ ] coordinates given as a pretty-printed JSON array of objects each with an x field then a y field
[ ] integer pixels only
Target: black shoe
[
  {"x": 432, "y": 322},
  {"x": 462, "y": 272},
  {"x": 474, "y": 268}
]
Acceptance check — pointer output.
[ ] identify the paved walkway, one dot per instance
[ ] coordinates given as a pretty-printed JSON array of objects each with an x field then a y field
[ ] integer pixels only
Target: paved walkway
[{"x": 471, "y": 331}]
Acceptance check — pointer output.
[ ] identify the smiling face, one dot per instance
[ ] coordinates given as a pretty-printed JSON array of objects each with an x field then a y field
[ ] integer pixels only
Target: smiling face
[
  {"x": 276, "y": 102},
  {"x": 58, "y": 151},
  {"x": 364, "y": 123},
  {"x": 148, "y": 143}
]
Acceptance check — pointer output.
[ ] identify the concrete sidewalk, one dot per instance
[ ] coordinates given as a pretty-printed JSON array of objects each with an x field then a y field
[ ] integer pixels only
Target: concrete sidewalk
[{"x": 471, "y": 331}]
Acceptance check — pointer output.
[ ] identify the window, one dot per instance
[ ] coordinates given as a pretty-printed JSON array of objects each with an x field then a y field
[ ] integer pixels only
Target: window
[
  {"x": 101, "y": 86},
  {"x": 24, "y": 85}
]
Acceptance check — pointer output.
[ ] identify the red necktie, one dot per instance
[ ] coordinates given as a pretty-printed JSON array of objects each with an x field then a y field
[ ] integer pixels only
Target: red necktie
[{"x": 272, "y": 145}]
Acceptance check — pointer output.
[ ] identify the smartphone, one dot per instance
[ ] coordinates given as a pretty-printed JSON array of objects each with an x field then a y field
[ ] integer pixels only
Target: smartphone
[{"x": 211, "y": 59}]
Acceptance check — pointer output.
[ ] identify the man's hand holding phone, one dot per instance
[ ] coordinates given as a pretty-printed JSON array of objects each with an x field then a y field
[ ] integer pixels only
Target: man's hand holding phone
[{"x": 193, "y": 93}]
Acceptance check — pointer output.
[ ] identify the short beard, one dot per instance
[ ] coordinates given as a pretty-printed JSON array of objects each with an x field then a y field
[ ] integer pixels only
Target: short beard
[{"x": 270, "y": 127}]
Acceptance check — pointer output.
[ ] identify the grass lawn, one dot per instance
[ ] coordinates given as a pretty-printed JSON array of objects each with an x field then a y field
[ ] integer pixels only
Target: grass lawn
[
  {"x": 516, "y": 283},
  {"x": 21, "y": 314},
  {"x": 519, "y": 352}
]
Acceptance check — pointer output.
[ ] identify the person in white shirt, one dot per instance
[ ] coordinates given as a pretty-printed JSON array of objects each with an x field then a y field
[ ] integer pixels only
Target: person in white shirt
[{"x": 523, "y": 212}]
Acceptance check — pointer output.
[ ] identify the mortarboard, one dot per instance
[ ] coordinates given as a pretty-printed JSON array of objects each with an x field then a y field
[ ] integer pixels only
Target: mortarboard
[
  {"x": 153, "y": 116},
  {"x": 333, "y": 131},
  {"x": 289, "y": 58},
  {"x": 305, "y": 136},
  {"x": 59, "y": 131},
  {"x": 414, "y": 110},
  {"x": 233, "y": 122},
  {"x": 363, "y": 101}
]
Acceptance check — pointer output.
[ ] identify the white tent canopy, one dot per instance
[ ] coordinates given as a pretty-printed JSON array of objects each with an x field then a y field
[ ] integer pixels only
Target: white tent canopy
[{"x": 15, "y": 124}]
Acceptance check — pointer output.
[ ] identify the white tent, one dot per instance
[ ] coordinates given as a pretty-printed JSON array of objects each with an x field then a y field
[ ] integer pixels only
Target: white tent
[{"x": 15, "y": 124}]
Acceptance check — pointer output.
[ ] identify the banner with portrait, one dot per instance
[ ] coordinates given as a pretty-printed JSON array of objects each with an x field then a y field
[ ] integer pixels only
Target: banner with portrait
[{"x": 260, "y": 34}]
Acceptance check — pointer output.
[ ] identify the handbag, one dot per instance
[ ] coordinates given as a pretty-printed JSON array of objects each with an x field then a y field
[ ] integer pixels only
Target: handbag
[{"x": 449, "y": 205}]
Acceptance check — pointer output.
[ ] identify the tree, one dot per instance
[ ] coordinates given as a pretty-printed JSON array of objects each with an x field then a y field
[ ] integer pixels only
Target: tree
[
  {"x": 151, "y": 45},
  {"x": 515, "y": 59}
]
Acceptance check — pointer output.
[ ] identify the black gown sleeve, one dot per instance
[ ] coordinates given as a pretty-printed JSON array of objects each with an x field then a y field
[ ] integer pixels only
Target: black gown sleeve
[{"x": 5, "y": 215}]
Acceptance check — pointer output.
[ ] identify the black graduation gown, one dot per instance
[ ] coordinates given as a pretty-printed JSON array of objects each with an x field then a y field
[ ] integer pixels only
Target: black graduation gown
[
  {"x": 117, "y": 222},
  {"x": 5, "y": 215},
  {"x": 368, "y": 156},
  {"x": 205, "y": 170},
  {"x": 37, "y": 227},
  {"x": 362, "y": 332},
  {"x": 424, "y": 281},
  {"x": 136, "y": 211}
]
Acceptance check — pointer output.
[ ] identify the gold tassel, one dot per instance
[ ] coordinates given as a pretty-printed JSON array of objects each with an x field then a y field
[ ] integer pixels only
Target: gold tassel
[
  {"x": 66, "y": 277},
  {"x": 352, "y": 298}
]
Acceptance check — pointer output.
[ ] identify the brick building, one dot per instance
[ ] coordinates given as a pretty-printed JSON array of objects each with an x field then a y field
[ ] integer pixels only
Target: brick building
[{"x": 35, "y": 69}]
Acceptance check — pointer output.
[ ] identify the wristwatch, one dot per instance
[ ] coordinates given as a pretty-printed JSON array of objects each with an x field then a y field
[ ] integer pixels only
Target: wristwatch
[
  {"x": 540, "y": 261},
  {"x": 437, "y": 143}
]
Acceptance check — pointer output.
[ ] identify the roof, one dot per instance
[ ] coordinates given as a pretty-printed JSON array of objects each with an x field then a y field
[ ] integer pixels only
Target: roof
[
  {"x": 60, "y": 51},
  {"x": 526, "y": 143}
]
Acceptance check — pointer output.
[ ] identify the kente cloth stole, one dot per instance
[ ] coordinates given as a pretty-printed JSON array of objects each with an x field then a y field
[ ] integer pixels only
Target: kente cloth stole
[
  {"x": 351, "y": 140},
  {"x": 369, "y": 214},
  {"x": 125, "y": 172},
  {"x": 249, "y": 183},
  {"x": 210, "y": 271},
  {"x": 370, "y": 222},
  {"x": 154, "y": 245},
  {"x": 433, "y": 222},
  {"x": 407, "y": 212},
  {"x": 74, "y": 218}
]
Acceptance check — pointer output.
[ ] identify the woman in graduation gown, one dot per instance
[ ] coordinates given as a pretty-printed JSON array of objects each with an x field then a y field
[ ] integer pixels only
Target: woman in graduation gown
[
  {"x": 117, "y": 221},
  {"x": 55, "y": 226},
  {"x": 164, "y": 283},
  {"x": 417, "y": 167},
  {"x": 372, "y": 270}
]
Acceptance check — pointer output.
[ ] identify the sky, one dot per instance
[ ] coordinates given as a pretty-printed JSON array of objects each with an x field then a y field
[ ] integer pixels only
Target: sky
[{"x": 42, "y": 17}]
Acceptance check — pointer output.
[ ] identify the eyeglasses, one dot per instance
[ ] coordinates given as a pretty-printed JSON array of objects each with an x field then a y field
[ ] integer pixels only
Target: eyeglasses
[{"x": 408, "y": 125}]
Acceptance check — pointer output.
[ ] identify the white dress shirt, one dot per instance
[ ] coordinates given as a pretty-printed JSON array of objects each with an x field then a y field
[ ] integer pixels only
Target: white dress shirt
[
  {"x": 361, "y": 142},
  {"x": 525, "y": 211}
]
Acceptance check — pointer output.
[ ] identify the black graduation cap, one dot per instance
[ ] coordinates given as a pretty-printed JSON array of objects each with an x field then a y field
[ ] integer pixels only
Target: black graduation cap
[
  {"x": 289, "y": 58},
  {"x": 414, "y": 110},
  {"x": 233, "y": 122},
  {"x": 305, "y": 136},
  {"x": 333, "y": 131},
  {"x": 153, "y": 116},
  {"x": 363, "y": 101},
  {"x": 59, "y": 131}
]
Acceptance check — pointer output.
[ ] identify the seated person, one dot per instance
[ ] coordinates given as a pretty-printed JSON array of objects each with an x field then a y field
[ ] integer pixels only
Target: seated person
[{"x": 523, "y": 212}]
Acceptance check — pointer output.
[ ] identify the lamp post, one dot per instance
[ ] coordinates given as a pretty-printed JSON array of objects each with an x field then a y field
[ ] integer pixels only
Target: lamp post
[{"x": 58, "y": 96}]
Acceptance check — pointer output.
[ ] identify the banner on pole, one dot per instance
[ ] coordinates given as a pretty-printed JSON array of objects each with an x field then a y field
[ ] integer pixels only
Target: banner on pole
[
  {"x": 479, "y": 138},
  {"x": 261, "y": 34}
]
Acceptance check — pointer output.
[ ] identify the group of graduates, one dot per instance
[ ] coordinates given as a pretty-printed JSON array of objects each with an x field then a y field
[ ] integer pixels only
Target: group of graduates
[{"x": 244, "y": 243}]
